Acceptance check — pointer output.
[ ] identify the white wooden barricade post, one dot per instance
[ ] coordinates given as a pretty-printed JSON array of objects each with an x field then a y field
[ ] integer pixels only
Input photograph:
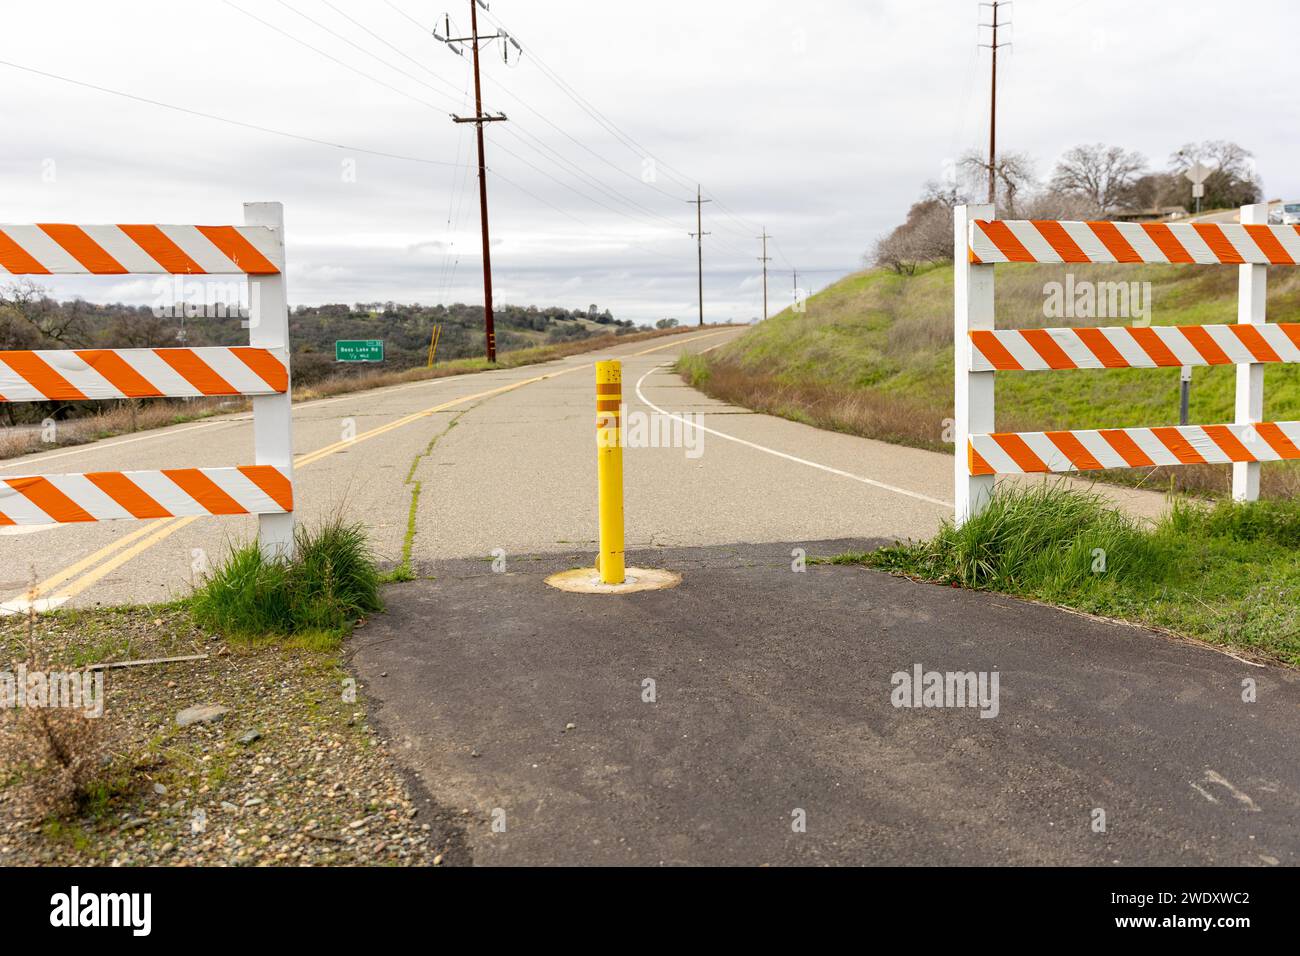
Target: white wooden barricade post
[
  {"x": 272, "y": 414},
  {"x": 973, "y": 290}
]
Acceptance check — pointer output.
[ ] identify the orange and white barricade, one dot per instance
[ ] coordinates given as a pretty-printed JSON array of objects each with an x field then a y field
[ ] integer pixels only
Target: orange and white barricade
[
  {"x": 981, "y": 350},
  {"x": 259, "y": 370}
]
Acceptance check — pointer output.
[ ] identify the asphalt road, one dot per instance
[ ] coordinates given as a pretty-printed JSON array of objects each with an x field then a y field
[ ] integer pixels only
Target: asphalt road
[
  {"x": 505, "y": 463},
  {"x": 524, "y": 712}
]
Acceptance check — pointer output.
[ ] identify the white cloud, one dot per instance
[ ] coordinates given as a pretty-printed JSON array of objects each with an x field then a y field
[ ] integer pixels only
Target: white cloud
[{"x": 819, "y": 121}]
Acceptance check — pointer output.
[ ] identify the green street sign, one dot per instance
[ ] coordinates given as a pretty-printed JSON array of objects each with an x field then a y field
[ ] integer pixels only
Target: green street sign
[{"x": 359, "y": 350}]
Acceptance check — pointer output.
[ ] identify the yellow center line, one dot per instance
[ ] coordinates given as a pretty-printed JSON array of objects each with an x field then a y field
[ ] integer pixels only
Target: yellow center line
[
  {"x": 165, "y": 527},
  {"x": 108, "y": 567},
  {"x": 75, "y": 569}
]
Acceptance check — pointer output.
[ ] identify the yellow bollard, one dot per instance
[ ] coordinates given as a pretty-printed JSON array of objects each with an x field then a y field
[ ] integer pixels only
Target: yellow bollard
[{"x": 609, "y": 467}]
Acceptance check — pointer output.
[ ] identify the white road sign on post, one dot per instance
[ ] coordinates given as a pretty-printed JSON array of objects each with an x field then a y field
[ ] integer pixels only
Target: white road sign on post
[{"x": 1197, "y": 173}]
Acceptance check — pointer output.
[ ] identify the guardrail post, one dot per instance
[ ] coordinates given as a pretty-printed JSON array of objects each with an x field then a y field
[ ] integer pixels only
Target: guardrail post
[
  {"x": 1252, "y": 287},
  {"x": 973, "y": 394},
  {"x": 268, "y": 328},
  {"x": 609, "y": 464}
]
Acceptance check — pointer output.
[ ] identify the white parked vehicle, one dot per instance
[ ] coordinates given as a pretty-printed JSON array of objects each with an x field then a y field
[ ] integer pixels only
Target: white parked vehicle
[{"x": 1287, "y": 214}]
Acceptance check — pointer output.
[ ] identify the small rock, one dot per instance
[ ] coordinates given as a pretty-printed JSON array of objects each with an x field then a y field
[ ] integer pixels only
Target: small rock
[
  {"x": 475, "y": 753},
  {"x": 229, "y": 807},
  {"x": 570, "y": 726},
  {"x": 251, "y": 736},
  {"x": 159, "y": 789},
  {"x": 201, "y": 714}
]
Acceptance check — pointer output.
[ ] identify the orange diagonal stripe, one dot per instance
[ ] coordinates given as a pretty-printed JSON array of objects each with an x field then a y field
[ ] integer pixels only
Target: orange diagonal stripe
[
  {"x": 988, "y": 345},
  {"x": 1005, "y": 240},
  {"x": 1277, "y": 440},
  {"x": 1213, "y": 237},
  {"x": 1111, "y": 238},
  {"x": 1205, "y": 344},
  {"x": 1126, "y": 448},
  {"x": 1268, "y": 244},
  {"x": 1222, "y": 436},
  {"x": 1182, "y": 449},
  {"x": 1074, "y": 450},
  {"x": 1165, "y": 240},
  {"x": 272, "y": 481},
  {"x": 1060, "y": 240},
  {"x": 196, "y": 371},
  {"x": 265, "y": 365},
  {"x": 1149, "y": 341},
  {"x": 82, "y": 248},
  {"x": 127, "y": 494},
  {"x": 17, "y": 260},
  {"x": 118, "y": 372},
  {"x": 162, "y": 250},
  {"x": 1020, "y": 453},
  {"x": 1041, "y": 341},
  {"x": 1100, "y": 346},
  {"x": 238, "y": 249},
  {"x": 42, "y": 377},
  {"x": 1255, "y": 343},
  {"x": 205, "y": 491},
  {"x": 40, "y": 492},
  {"x": 975, "y": 463}
]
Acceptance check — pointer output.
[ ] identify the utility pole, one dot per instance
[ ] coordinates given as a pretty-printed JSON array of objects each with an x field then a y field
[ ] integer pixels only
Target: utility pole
[
  {"x": 699, "y": 234},
  {"x": 765, "y": 259},
  {"x": 478, "y": 119},
  {"x": 993, "y": 95}
]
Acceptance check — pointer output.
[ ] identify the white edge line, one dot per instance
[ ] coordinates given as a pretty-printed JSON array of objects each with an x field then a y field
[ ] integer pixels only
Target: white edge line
[{"x": 780, "y": 454}]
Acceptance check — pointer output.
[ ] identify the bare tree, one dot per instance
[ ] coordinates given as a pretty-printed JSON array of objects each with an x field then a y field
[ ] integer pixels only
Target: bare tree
[
  {"x": 1013, "y": 178},
  {"x": 926, "y": 235},
  {"x": 1101, "y": 175},
  {"x": 29, "y": 303}
]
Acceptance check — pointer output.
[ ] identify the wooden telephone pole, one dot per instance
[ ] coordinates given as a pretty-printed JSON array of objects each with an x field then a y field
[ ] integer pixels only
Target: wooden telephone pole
[
  {"x": 478, "y": 119},
  {"x": 765, "y": 259},
  {"x": 699, "y": 234},
  {"x": 993, "y": 96}
]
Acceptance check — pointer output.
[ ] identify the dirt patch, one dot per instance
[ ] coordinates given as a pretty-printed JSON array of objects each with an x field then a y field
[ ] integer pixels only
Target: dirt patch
[{"x": 292, "y": 773}]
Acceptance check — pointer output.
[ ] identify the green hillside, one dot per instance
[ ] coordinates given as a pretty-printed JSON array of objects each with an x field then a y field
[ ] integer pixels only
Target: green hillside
[{"x": 872, "y": 355}]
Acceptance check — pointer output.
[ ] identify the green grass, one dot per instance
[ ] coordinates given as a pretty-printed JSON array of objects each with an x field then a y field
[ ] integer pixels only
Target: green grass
[
  {"x": 885, "y": 340},
  {"x": 315, "y": 598},
  {"x": 1227, "y": 574}
]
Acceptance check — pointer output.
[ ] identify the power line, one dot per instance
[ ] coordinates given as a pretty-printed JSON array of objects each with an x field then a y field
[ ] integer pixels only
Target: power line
[
  {"x": 395, "y": 49},
  {"x": 225, "y": 119},
  {"x": 356, "y": 46},
  {"x": 347, "y": 66}
]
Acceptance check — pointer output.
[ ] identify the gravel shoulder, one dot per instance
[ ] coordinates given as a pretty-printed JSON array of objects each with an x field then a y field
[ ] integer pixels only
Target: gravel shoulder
[{"x": 293, "y": 772}]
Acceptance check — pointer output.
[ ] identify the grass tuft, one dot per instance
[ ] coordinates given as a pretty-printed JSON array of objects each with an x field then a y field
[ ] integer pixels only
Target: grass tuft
[
  {"x": 315, "y": 598},
  {"x": 1227, "y": 574}
]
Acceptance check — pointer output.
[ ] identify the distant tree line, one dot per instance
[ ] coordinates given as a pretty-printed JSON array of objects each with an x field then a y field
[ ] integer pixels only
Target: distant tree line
[
  {"x": 31, "y": 319},
  {"x": 1090, "y": 181}
]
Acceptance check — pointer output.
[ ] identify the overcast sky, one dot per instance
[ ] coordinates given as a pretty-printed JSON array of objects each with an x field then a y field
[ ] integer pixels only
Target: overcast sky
[{"x": 817, "y": 119}]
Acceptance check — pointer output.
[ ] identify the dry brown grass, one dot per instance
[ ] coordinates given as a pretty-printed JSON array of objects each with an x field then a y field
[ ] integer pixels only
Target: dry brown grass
[
  {"x": 57, "y": 756},
  {"x": 111, "y": 420},
  {"x": 859, "y": 411},
  {"x": 51, "y": 757}
]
